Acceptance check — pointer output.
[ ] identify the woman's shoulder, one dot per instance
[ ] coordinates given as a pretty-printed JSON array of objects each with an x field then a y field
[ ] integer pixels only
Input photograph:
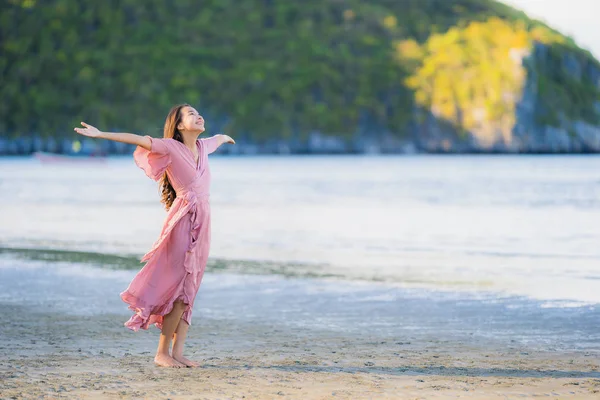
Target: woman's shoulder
[
  {"x": 166, "y": 141},
  {"x": 210, "y": 143},
  {"x": 171, "y": 143}
]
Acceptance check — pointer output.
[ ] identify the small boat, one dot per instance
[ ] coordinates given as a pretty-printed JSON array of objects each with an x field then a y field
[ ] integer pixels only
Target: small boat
[{"x": 54, "y": 158}]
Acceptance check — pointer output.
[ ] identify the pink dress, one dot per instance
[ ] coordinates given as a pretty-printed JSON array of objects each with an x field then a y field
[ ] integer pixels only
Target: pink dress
[{"x": 175, "y": 264}]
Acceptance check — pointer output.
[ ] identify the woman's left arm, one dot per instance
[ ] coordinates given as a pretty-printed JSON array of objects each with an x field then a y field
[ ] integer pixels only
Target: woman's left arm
[
  {"x": 225, "y": 139},
  {"x": 212, "y": 143}
]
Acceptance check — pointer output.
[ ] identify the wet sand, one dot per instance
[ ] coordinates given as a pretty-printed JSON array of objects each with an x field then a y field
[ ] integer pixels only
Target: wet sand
[{"x": 51, "y": 355}]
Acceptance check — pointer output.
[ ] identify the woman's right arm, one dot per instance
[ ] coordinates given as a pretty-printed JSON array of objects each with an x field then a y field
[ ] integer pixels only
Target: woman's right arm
[{"x": 138, "y": 140}]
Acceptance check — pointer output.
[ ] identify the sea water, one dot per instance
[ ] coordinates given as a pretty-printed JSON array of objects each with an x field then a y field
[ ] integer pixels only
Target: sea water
[{"x": 500, "y": 246}]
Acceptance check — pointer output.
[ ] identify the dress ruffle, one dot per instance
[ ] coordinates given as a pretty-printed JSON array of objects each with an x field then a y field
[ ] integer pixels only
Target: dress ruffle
[
  {"x": 149, "y": 314},
  {"x": 154, "y": 162}
]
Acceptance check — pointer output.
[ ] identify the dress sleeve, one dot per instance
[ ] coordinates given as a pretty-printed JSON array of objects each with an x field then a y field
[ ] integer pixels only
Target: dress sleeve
[
  {"x": 153, "y": 162},
  {"x": 210, "y": 144}
]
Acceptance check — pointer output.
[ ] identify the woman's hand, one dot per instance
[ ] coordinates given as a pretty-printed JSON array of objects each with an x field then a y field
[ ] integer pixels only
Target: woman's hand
[
  {"x": 89, "y": 131},
  {"x": 227, "y": 139}
]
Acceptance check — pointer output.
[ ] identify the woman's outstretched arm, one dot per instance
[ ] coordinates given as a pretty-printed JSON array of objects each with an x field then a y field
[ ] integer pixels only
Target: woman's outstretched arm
[
  {"x": 224, "y": 139},
  {"x": 138, "y": 140}
]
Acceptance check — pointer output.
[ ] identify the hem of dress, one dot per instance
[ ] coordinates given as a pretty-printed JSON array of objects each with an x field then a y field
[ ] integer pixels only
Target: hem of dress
[{"x": 143, "y": 314}]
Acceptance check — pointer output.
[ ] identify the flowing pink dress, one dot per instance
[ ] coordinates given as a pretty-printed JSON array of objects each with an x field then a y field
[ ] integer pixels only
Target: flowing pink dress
[{"x": 175, "y": 264}]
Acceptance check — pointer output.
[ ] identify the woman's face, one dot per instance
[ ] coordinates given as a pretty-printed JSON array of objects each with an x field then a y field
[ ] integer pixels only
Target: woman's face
[{"x": 191, "y": 121}]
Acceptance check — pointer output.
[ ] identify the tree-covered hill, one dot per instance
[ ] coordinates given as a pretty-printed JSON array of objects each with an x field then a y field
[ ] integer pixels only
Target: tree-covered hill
[{"x": 451, "y": 70}]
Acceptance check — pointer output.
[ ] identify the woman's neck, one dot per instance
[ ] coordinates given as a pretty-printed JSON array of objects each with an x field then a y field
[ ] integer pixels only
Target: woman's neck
[{"x": 189, "y": 140}]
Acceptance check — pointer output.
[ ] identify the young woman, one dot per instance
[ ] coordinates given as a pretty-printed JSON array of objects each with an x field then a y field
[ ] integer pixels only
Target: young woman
[{"x": 163, "y": 292}]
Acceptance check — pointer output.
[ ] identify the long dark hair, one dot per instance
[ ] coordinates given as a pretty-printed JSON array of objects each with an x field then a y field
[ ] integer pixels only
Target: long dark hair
[{"x": 168, "y": 194}]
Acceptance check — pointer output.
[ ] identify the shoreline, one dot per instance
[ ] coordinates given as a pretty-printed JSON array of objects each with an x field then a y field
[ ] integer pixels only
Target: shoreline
[
  {"x": 54, "y": 355},
  {"x": 334, "y": 306}
]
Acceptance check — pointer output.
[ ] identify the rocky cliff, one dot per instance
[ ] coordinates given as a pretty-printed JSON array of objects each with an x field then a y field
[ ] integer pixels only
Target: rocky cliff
[{"x": 537, "y": 126}]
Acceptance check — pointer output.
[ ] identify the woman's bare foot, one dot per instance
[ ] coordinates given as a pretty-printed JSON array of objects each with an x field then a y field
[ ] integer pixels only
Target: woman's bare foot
[
  {"x": 164, "y": 360},
  {"x": 186, "y": 362}
]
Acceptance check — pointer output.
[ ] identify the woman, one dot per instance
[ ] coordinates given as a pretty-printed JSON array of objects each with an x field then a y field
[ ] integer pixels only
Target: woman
[{"x": 163, "y": 292}]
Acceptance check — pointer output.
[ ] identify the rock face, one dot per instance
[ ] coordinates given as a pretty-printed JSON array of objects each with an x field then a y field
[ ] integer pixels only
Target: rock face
[
  {"x": 571, "y": 134},
  {"x": 530, "y": 133}
]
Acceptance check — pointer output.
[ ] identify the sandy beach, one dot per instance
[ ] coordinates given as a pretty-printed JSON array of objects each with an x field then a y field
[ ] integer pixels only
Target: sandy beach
[{"x": 50, "y": 355}]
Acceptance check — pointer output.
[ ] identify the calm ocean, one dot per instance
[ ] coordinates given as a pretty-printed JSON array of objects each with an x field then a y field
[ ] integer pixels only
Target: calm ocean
[{"x": 491, "y": 246}]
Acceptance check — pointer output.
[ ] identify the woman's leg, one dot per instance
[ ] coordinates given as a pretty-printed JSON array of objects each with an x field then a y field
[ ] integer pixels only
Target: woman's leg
[
  {"x": 170, "y": 321},
  {"x": 179, "y": 342}
]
